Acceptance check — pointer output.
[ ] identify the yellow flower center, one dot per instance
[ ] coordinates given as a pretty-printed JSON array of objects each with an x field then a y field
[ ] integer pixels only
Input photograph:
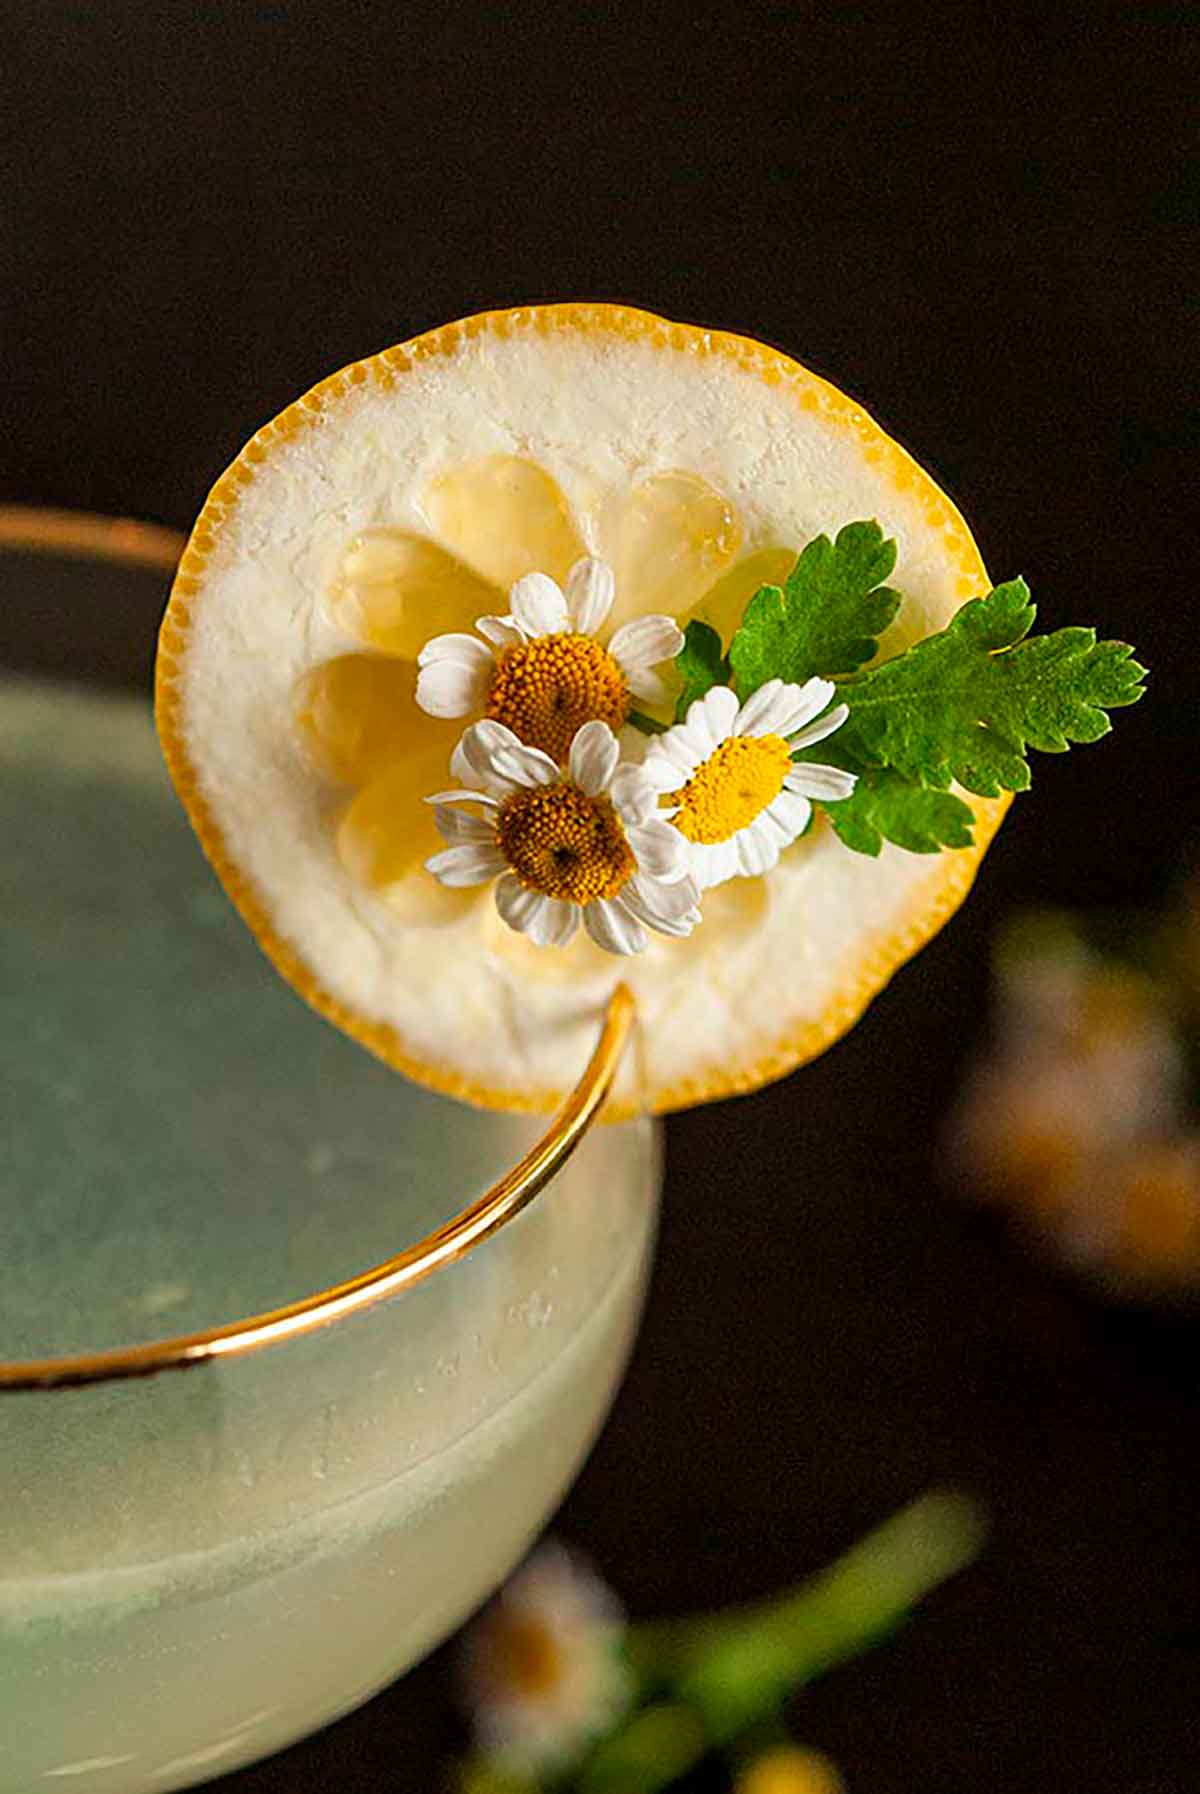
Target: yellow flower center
[
  {"x": 732, "y": 787},
  {"x": 565, "y": 844},
  {"x": 545, "y": 690},
  {"x": 528, "y": 1659}
]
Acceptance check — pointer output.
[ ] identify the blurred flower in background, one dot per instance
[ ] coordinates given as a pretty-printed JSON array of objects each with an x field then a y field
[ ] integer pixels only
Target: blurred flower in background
[
  {"x": 789, "y": 1769},
  {"x": 542, "y": 1667},
  {"x": 564, "y": 1699},
  {"x": 1078, "y": 1117}
]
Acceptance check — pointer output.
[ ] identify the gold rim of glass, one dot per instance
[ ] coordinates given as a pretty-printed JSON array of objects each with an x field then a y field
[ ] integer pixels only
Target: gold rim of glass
[{"x": 118, "y": 540}]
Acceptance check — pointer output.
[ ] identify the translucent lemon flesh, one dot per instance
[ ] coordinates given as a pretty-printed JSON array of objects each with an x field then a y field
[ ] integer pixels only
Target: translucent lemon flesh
[
  {"x": 394, "y": 590},
  {"x": 504, "y": 515},
  {"x": 677, "y": 534},
  {"x": 358, "y": 714}
]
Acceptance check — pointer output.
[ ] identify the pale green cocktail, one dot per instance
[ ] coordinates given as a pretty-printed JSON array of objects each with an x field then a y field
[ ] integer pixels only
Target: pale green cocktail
[{"x": 198, "y": 1567}]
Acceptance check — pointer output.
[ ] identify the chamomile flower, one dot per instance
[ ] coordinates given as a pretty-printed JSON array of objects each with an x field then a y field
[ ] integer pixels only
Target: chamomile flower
[
  {"x": 542, "y": 1670},
  {"x": 541, "y": 671},
  {"x": 734, "y": 791},
  {"x": 565, "y": 844}
]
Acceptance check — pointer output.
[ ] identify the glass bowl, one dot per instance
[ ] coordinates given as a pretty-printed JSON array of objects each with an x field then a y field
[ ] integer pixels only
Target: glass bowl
[{"x": 296, "y": 1360}]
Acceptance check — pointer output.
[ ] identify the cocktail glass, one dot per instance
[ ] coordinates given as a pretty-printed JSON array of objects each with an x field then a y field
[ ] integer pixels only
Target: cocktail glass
[{"x": 245, "y": 1479}]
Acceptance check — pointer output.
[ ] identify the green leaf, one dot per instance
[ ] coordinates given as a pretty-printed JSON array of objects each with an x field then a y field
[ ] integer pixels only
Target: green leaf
[
  {"x": 885, "y": 806},
  {"x": 966, "y": 703},
  {"x": 701, "y": 665},
  {"x": 825, "y": 619}
]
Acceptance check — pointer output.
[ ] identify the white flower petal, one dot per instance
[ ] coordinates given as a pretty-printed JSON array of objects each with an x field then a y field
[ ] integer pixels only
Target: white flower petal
[
  {"x": 451, "y": 688},
  {"x": 461, "y": 766},
  {"x": 689, "y": 743},
  {"x": 457, "y": 796},
  {"x": 661, "y": 773},
  {"x": 757, "y": 709},
  {"x": 589, "y": 594},
  {"x": 538, "y": 606},
  {"x": 699, "y": 864},
  {"x": 559, "y": 921},
  {"x": 547, "y": 921},
  {"x": 674, "y": 930},
  {"x": 778, "y": 708},
  {"x": 670, "y": 901},
  {"x": 828, "y": 783},
  {"x": 456, "y": 826},
  {"x": 713, "y": 863},
  {"x": 757, "y": 849},
  {"x": 460, "y": 649},
  {"x": 645, "y": 643},
  {"x": 502, "y": 632},
  {"x": 636, "y": 905},
  {"x": 819, "y": 730},
  {"x": 651, "y": 688},
  {"x": 472, "y": 761},
  {"x": 718, "y": 708},
  {"x": 773, "y": 820},
  {"x": 790, "y": 811},
  {"x": 634, "y": 794},
  {"x": 526, "y": 766},
  {"x": 660, "y": 850},
  {"x": 472, "y": 864},
  {"x": 613, "y": 928},
  {"x": 726, "y": 858},
  {"x": 686, "y": 747},
  {"x": 516, "y": 903},
  {"x": 816, "y": 693},
  {"x": 594, "y": 756},
  {"x": 692, "y": 731}
]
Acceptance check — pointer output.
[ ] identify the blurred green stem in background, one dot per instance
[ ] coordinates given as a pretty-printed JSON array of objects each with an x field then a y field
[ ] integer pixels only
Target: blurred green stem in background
[
  {"x": 736, "y": 1667},
  {"x": 717, "y": 1682}
]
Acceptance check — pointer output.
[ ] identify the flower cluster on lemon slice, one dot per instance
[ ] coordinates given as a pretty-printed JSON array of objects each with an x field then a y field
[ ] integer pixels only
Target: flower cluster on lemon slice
[{"x": 570, "y": 829}]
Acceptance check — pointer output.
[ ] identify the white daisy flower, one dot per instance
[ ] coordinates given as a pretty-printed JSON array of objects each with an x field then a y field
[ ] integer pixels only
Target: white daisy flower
[
  {"x": 734, "y": 790},
  {"x": 542, "y": 1670},
  {"x": 541, "y": 670},
  {"x": 564, "y": 844}
]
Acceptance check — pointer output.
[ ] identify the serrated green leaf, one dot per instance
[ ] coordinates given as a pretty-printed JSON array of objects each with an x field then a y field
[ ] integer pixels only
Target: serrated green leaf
[
  {"x": 826, "y": 618},
  {"x": 965, "y": 704},
  {"x": 701, "y": 665},
  {"x": 885, "y": 806}
]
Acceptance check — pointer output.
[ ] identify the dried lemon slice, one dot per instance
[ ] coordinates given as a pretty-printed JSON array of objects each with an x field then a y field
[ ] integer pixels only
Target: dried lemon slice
[{"x": 397, "y": 502}]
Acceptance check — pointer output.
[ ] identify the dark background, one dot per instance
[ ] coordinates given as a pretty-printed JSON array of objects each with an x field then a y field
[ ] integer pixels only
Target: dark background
[{"x": 974, "y": 219}]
